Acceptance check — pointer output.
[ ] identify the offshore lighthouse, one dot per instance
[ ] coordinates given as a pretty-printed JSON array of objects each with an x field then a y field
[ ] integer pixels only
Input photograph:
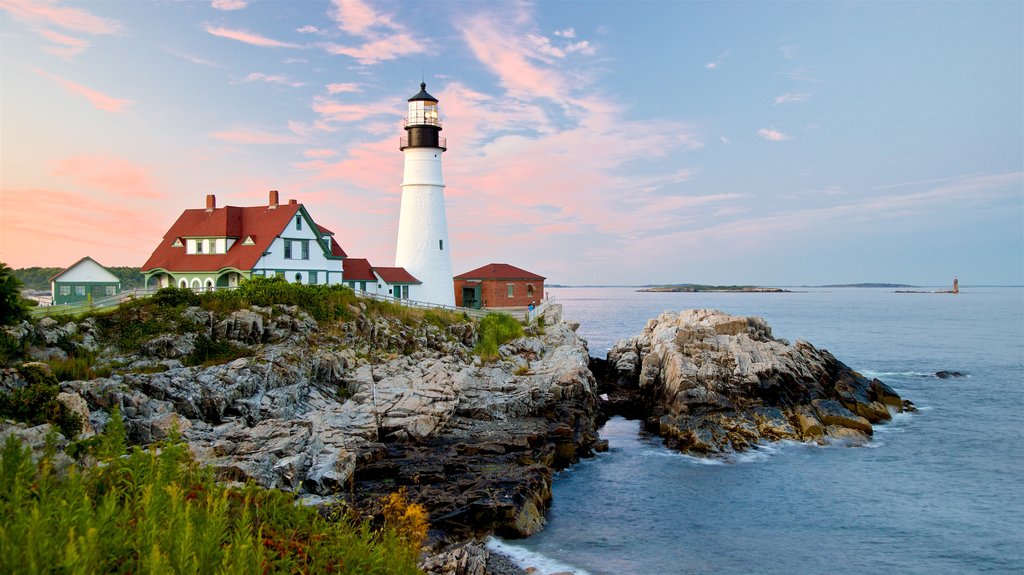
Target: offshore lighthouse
[{"x": 423, "y": 247}]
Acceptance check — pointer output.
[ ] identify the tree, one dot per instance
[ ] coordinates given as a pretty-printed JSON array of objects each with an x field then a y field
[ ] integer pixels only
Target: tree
[{"x": 12, "y": 308}]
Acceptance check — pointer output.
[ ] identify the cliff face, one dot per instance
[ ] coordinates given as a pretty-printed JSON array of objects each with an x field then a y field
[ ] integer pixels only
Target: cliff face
[
  {"x": 712, "y": 383},
  {"x": 354, "y": 410}
]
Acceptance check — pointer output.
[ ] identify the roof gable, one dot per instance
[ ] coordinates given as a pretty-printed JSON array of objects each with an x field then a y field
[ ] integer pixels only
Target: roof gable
[
  {"x": 358, "y": 269},
  {"x": 86, "y": 270},
  {"x": 261, "y": 224},
  {"x": 499, "y": 271}
]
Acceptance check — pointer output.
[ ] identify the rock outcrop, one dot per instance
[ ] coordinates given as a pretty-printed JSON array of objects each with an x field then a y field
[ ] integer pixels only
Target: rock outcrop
[
  {"x": 354, "y": 411},
  {"x": 712, "y": 383}
]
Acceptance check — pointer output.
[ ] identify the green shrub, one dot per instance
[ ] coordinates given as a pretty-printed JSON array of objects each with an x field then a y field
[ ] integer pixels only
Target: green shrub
[
  {"x": 11, "y": 349},
  {"x": 77, "y": 367},
  {"x": 36, "y": 403},
  {"x": 212, "y": 352},
  {"x": 175, "y": 296},
  {"x": 160, "y": 512},
  {"x": 12, "y": 306},
  {"x": 495, "y": 330}
]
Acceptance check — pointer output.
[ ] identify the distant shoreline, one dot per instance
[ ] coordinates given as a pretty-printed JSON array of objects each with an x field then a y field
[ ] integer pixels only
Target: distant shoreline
[{"x": 694, "y": 288}]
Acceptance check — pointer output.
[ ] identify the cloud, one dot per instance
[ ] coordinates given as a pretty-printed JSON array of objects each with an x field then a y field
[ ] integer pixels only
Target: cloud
[
  {"x": 229, "y": 4},
  {"x": 724, "y": 140},
  {"x": 248, "y": 37},
  {"x": 66, "y": 47},
  {"x": 272, "y": 79},
  {"x": 383, "y": 38},
  {"x": 48, "y": 13},
  {"x": 788, "y": 51},
  {"x": 791, "y": 98},
  {"x": 245, "y": 135},
  {"x": 192, "y": 58},
  {"x": 99, "y": 100},
  {"x": 772, "y": 135},
  {"x": 388, "y": 48},
  {"x": 717, "y": 62},
  {"x": 343, "y": 87},
  {"x": 110, "y": 174},
  {"x": 308, "y": 29},
  {"x": 358, "y": 18},
  {"x": 802, "y": 74},
  {"x": 334, "y": 111},
  {"x": 320, "y": 153},
  {"x": 44, "y": 15},
  {"x": 567, "y": 33}
]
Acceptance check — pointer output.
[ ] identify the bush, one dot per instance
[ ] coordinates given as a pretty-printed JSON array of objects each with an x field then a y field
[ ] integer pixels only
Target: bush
[
  {"x": 160, "y": 512},
  {"x": 77, "y": 367},
  {"x": 36, "y": 403},
  {"x": 12, "y": 307},
  {"x": 495, "y": 330},
  {"x": 174, "y": 296}
]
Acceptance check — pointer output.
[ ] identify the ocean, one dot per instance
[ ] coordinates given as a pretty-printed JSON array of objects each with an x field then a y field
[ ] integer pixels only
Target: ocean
[{"x": 936, "y": 491}]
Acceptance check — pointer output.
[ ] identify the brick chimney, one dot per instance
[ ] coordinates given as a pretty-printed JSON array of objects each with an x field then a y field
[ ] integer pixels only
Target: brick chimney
[
  {"x": 292, "y": 202},
  {"x": 211, "y": 202},
  {"x": 273, "y": 199}
]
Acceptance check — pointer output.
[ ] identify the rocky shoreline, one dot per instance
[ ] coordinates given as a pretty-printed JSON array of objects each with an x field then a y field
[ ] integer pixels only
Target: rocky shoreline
[{"x": 351, "y": 412}]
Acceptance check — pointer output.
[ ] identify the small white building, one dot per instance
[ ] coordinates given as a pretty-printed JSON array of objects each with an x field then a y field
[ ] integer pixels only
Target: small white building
[{"x": 85, "y": 280}]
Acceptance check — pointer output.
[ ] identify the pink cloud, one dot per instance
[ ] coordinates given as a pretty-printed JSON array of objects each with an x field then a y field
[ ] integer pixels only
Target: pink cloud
[
  {"x": 44, "y": 15},
  {"x": 340, "y": 87},
  {"x": 30, "y": 239},
  {"x": 99, "y": 100},
  {"x": 335, "y": 111},
  {"x": 358, "y": 18},
  {"x": 387, "y": 48},
  {"x": 273, "y": 79},
  {"x": 773, "y": 135},
  {"x": 248, "y": 37},
  {"x": 48, "y": 13},
  {"x": 243, "y": 135},
  {"x": 229, "y": 4},
  {"x": 320, "y": 153},
  {"x": 110, "y": 174},
  {"x": 66, "y": 46},
  {"x": 384, "y": 39}
]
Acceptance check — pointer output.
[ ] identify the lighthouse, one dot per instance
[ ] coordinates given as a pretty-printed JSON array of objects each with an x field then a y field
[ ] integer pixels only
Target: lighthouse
[{"x": 423, "y": 247}]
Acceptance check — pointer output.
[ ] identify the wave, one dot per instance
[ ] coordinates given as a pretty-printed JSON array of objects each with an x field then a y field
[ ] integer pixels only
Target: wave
[{"x": 526, "y": 559}]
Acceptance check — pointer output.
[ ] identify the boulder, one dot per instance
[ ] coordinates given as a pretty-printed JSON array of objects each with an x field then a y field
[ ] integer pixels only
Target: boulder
[{"x": 716, "y": 383}]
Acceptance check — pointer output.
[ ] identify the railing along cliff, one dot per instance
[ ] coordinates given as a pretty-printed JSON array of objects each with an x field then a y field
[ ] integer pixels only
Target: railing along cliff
[{"x": 522, "y": 314}]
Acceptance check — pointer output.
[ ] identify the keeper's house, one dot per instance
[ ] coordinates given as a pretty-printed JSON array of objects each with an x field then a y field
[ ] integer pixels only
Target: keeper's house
[
  {"x": 85, "y": 280},
  {"x": 218, "y": 247},
  {"x": 498, "y": 285}
]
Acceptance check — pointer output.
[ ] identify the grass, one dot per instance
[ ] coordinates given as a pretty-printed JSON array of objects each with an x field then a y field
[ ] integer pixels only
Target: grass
[
  {"x": 495, "y": 330},
  {"x": 158, "y": 511}
]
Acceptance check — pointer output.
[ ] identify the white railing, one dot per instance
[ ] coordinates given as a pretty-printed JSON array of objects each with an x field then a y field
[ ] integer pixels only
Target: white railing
[{"x": 522, "y": 314}]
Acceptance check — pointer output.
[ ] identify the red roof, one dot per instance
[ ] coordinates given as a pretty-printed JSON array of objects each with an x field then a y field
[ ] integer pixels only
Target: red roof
[
  {"x": 260, "y": 223},
  {"x": 500, "y": 272},
  {"x": 396, "y": 276},
  {"x": 358, "y": 269}
]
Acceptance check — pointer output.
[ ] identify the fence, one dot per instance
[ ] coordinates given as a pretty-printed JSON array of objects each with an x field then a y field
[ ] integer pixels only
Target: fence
[{"x": 522, "y": 314}]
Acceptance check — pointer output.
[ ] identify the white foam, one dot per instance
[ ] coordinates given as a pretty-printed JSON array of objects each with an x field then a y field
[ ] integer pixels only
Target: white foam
[{"x": 526, "y": 558}]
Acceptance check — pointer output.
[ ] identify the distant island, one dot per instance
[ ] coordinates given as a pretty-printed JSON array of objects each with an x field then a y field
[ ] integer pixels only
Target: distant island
[{"x": 692, "y": 288}]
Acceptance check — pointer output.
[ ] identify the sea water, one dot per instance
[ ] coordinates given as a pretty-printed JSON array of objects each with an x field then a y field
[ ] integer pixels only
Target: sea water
[{"x": 936, "y": 491}]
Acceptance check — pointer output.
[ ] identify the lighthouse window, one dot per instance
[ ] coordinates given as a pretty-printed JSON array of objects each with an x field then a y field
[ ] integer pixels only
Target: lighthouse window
[{"x": 440, "y": 244}]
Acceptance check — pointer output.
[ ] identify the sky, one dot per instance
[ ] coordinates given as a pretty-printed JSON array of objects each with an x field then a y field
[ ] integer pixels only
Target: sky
[{"x": 615, "y": 143}]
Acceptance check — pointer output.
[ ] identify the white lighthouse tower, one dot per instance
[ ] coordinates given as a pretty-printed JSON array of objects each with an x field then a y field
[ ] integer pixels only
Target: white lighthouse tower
[{"x": 423, "y": 248}]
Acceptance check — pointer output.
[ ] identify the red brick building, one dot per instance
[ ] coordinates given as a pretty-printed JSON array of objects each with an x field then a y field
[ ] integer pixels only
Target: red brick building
[{"x": 498, "y": 285}]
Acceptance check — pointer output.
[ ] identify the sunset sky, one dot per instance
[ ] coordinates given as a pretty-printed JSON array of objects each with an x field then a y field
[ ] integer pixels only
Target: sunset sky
[{"x": 772, "y": 143}]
